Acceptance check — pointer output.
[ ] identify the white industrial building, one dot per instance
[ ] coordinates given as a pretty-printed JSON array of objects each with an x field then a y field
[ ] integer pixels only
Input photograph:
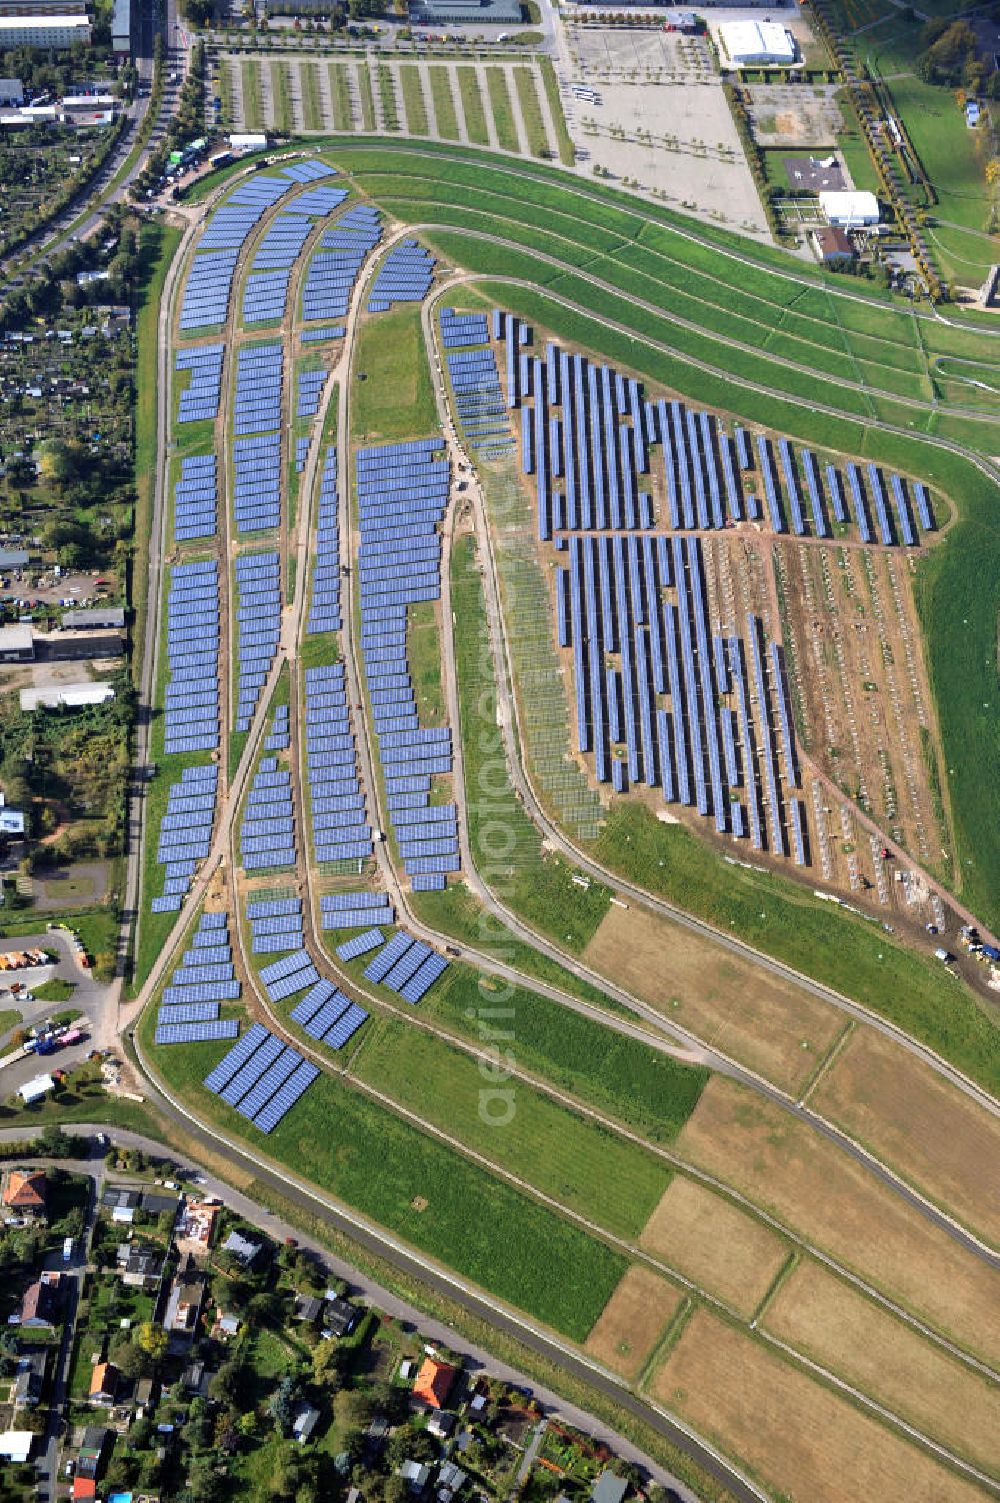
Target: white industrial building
[
  {"x": 66, "y": 696},
  {"x": 851, "y": 211},
  {"x": 755, "y": 44},
  {"x": 43, "y": 31}
]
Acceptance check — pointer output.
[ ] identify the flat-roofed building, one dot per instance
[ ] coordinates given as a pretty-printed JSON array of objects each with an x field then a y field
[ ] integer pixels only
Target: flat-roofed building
[
  {"x": 755, "y": 44},
  {"x": 851, "y": 211},
  {"x": 121, "y": 28},
  {"x": 57, "y": 31}
]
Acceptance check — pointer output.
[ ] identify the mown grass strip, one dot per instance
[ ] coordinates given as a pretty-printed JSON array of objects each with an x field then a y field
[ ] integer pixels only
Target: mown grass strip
[
  {"x": 531, "y": 113},
  {"x": 253, "y": 110},
  {"x": 444, "y": 102},
  {"x": 312, "y": 98},
  {"x": 503, "y": 111},
  {"x": 413, "y": 99},
  {"x": 396, "y": 399},
  {"x": 340, "y": 97},
  {"x": 472, "y": 105},
  {"x": 281, "y": 98},
  {"x": 366, "y": 96},
  {"x": 567, "y": 153},
  {"x": 387, "y": 97}
]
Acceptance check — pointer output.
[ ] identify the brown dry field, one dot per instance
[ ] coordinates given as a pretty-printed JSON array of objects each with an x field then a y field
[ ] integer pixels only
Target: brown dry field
[
  {"x": 633, "y": 1320},
  {"x": 800, "y": 1438},
  {"x": 835, "y": 1325},
  {"x": 832, "y": 1201},
  {"x": 912, "y": 1118},
  {"x": 764, "y": 1022},
  {"x": 720, "y": 1248}
]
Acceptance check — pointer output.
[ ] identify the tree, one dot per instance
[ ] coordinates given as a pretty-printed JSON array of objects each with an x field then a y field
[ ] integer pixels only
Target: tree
[
  {"x": 229, "y": 1384},
  {"x": 152, "y": 1339},
  {"x": 352, "y": 1409}
]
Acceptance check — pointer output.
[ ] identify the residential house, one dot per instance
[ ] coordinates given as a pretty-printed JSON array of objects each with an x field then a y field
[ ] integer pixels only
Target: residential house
[
  {"x": 243, "y": 1249},
  {"x": 145, "y": 1393},
  {"x": 416, "y": 1474},
  {"x": 434, "y": 1382},
  {"x": 195, "y": 1380},
  {"x": 24, "y": 1195},
  {"x": 121, "y": 1202},
  {"x": 90, "y": 1457},
  {"x": 84, "y": 1489},
  {"x": 104, "y": 1383},
  {"x": 30, "y": 1378},
  {"x": 184, "y": 1303},
  {"x": 441, "y": 1424},
  {"x": 339, "y": 1316},
  {"x": 42, "y": 1303},
  {"x": 451, "y": 1480},
  {"x": 608, "y": 1488},
  {"x": 140, "y": 1267},
  {"x": 307, "y": 1308},
  {"x": 832, "y": 244},
  {"x": 305, "y": 1423}
]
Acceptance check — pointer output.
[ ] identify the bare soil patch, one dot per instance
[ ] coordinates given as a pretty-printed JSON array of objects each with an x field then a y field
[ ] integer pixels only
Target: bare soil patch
[
  {"x": 833, "y": 1202},
  {"x": 821, "y": 1316},
  {"x": 632, "y": 1321},
  {"x": 759, "y": 1019},
  {"x": 720, "y": 1248},
  {"x": 801, "y": 1439},
  {"x": 912, "y": 1118}
]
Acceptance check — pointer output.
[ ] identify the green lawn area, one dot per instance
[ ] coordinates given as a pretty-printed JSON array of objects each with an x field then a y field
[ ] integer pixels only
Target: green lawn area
[
  {"x": 387, "y": 97},
  {"x": 281, "y": 91},
  {"x": 9, "y": 1018},
  {"x": 472, "y": 105},
  {"x": 444, "y": 102},
  {"x": 395, "y": 400},
  {"x": 253, "y": 109},
  {"x": 531, "y": 112},
  {"x": 340, "y": 95},
  {"x": 607, "y": 1179},
  {"x": 56, "y": 990},
  {"x": 423, "y": 655},
  {"x": 413, "y": 99},
  {"x": 366, "y": 95},
  {"x": 312, "y": 98},
  {"x": 503, "y": 113},
  {"x": 423, "y": 1191},
  {"x": 567, "y": 153}
]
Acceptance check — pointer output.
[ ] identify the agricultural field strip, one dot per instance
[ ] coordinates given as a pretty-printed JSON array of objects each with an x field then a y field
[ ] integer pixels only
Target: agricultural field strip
[
  {"x": 658, "y": 904},
  {"x": 639, "y": 222}
]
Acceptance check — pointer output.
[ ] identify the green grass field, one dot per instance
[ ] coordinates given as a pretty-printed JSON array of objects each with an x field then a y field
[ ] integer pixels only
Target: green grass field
[
  {"x": 531, "y": 112},
  {"x": 340, "y": 95},
  {"x": 387, "y": 97},
  {"x": 413, "y": 99},
  {"x": 396, "y": 399},
  {"x": 425, "y": 1192},
  {"x": 423, "y": 654},
  {"x": 366, "y": 95},
  {"x": 444, "y": 102},
  {"x": 253, "y": 108},
  {"x": 281, "y": 92},
  {"x": 312, "y": 98},
  {"x": 472, "y": 105},
  {"x": 503, "y": 110},
  {"x": 587, "y": 1169},
  {"x": 567, "y": 152}
]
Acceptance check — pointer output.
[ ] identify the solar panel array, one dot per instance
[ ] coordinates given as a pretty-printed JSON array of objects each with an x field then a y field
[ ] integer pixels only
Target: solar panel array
[
  {"x": 257, "y": 402},
  {"x": 199, "y": 399},
  {"x": 185, "y": 833},
  {"x": 360, "y": 944},
  {"x": 258, "y": 620},
  {"x": 332, "y": 331},
  {"x": 461, "y": 329},
  {"x": 278, "y": 738},
  {"x": 340, "y": 828},
  {"x": 479, "y": 402},
  {"x": 257, "y": 483},
  {"x": 324, "y": 603},
  {"x": 586, "y": 433},
  {"x": 406, "y": 966},
  {"x": 355, "y": 910},
  {"x": 210, "y": 279},
  {"x": 334, "y": 268},
  {"x": 261, "y": 1077},
  {"x": 328, "y": 1016},
  {"x": 275, "y": 924},
  {"x": 189, "y": 1010},
  {"x": 293, "y": 973},
  {"x": 402, "y": 493},
  {"x": 301, "y": 453},
  {"x": 191, "y": 706},
  {"x": 404, "y": 276},
  {"x": 310, "y": 388},
  {"x": 267, "y": 834},
  {"x": 195, "y": 499}
]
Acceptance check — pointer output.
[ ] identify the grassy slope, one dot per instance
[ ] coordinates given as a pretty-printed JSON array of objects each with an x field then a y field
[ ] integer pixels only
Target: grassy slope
[
  {"x": 423, "y": 1191},
  {"x": 610, "y": 1181}
]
